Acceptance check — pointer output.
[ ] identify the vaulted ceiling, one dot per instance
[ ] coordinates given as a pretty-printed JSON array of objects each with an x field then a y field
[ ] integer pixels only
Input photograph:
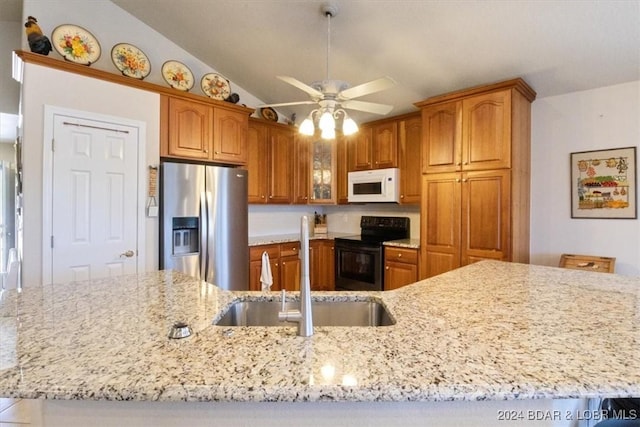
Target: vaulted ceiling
[{"x": 428, "y": 46}]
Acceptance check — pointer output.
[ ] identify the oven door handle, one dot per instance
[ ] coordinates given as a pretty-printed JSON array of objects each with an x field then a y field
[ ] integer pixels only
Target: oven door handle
[{"x": 358, "y": 247}]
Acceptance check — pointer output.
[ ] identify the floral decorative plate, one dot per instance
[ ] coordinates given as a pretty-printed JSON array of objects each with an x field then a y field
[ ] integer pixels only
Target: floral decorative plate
[
  {"x": 215, "y": 86},
  {"x": 269, "y": 113},
  {"x": 177, "y": 75},
  {"x": 75, "y": 44},
  {"x": 130, "y": 60}
]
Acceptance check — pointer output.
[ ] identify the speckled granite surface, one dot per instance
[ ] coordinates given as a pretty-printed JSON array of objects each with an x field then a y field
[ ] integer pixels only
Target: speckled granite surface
[
  {"x": 404, "y": 243},
  {"x": 285, "y": 238},
  {"x": 491, "y": 330}
]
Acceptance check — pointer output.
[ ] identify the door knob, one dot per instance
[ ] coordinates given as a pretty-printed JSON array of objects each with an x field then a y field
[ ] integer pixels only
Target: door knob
[{"x": 127, "y": 254}]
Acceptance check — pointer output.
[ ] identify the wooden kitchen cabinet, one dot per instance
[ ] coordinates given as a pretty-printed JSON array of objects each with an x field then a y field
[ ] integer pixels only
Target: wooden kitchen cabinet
[
  {"x": 400, "y": 267},
  {"x": 290, "y": 266},
  {"x": 285, "y": 266},
  {"x": 343, "y": 159},
  {"x": 475, "y": 129},
  {"x": 376, "y": 146},
  {"x": 475, "y": 188},
  {"x": 410, "y": 143},
  {"x": 322, "y": 168},
  {"x": 198, "y": 130},
  {"x": 230, "y": 136},
  {"x": 270, "y": 162},
  {"x": 322, "y": 265},
  {"x": 301, "y": 171},
  {"x": 465, "y": 218}
]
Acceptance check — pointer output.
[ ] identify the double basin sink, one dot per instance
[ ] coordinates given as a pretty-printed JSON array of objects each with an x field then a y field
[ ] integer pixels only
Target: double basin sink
[{"x": 325, "y": 313}]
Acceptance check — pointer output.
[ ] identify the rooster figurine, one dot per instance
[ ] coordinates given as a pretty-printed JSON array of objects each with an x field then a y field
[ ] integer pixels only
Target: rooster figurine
[{"x": 38, "y": 42}]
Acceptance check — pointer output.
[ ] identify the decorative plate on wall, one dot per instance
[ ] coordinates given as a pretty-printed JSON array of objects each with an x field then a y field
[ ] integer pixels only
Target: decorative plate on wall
[
  {"x": 130, "y": 61},
  {"x": 269, "y": 113},
  {"x": 177, "y": 75},
  {"x": 75, "y": 44},
  {"x": 215, "y": 86}
]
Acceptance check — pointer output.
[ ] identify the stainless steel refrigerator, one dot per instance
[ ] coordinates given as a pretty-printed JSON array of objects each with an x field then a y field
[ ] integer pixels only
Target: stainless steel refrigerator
[{"x": 204, "y": 224}]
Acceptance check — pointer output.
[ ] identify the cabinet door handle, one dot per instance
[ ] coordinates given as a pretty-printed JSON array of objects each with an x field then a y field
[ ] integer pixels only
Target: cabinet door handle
[
  {"x": 399, "y": 255},
  {"x": 386, "y": 267},
  {"x": 402, "y": 196},
  {"x": 271, "y": 196},
  {"x": 465, "y": 180},
  {"x": 206, "y": 150},
  {"x": 457, "y": 179},
  {"x": 262, "y": 197}
]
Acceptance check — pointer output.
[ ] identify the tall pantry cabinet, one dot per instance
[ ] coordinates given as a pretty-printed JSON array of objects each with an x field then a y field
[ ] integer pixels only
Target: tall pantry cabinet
[{"x": 475, "y": 176}]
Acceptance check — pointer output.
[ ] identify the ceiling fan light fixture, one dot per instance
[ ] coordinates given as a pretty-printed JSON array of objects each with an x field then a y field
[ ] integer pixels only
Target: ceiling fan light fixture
[
  {"x": 327, "y": 121},
  {"x": 349, "y": 126},
  {"x": 329, "y": 133},
  {"x": 307, "y": 127}
]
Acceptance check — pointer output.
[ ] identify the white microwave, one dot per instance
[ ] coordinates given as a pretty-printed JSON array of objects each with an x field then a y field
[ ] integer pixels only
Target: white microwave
[{"x": 374, "y": 186}]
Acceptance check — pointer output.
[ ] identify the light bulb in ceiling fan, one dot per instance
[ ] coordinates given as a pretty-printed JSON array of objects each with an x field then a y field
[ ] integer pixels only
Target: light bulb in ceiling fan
[
  {"x": 327, "y": 121},
  {"x": 349, "y": 126},
  {"x": 306, "y": 127},
  {"x": 329, "y": 133}
]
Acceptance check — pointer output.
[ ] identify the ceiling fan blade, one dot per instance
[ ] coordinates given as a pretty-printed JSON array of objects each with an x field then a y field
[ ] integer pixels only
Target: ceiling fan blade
[
  {"x": 382, "y": 83},
  {"x": 282, "y": 104},
  {"x": 369, "y": 107},
  {"x": 302, "y": 86}
]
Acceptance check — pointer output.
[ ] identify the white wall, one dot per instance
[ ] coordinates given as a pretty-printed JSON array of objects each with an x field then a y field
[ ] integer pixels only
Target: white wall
[
  {"x": 266, "y": 220},
  {"x": 602, "y": 118}
]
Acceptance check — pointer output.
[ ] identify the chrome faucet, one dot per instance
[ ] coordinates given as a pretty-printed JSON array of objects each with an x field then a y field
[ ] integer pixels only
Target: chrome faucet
[{"x": 303, "y": 315}]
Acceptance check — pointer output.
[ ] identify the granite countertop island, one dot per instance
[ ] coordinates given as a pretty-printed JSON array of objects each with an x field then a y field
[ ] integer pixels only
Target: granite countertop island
[{"x": 491, "y": 331}]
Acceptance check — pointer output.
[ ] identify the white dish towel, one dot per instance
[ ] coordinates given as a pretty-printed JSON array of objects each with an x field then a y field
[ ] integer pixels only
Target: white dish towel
[{"x": 266, "y": 279}]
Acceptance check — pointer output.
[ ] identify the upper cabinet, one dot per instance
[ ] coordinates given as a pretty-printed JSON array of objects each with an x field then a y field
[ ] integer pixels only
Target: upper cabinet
[
  {"x": 323, "y": 156},
  {"x": 376, "y": 146},
  {"x": 473, "y": 129},
  {"x": 409, "y": 143},
  {"x": 301, "y": 147},
  {"x": 343, "y": 159},
  {"x": 270, "y": 162},
  {"x": 200, "y": 130}
]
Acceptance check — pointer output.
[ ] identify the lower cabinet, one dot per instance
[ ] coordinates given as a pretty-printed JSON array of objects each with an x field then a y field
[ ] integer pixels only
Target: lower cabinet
[
  {"x": 322, "y": 265},
  {"x": 285, "y": 266},
  {"x": 400, "y": 267}
]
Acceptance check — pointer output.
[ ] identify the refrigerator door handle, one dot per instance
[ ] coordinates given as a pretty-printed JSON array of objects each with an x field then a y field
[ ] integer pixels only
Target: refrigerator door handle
[
  {"x": 204, "y": 232},
  {"x": 210, "y": 264}
]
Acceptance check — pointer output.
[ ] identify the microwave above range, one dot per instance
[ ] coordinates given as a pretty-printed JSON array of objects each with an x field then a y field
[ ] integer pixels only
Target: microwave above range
[{"x": 374, "y": 186}]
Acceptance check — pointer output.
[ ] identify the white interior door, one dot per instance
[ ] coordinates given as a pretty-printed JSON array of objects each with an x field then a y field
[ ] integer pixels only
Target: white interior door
[{"x": 94, "y": 217}]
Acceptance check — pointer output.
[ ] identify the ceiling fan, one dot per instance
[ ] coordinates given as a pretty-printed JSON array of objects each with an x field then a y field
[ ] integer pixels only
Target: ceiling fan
[{"x": 334, "y": 96}]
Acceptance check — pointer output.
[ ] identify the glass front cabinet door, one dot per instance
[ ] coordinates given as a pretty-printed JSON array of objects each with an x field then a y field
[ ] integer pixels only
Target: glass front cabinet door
[{"x": 323, "y": 154}]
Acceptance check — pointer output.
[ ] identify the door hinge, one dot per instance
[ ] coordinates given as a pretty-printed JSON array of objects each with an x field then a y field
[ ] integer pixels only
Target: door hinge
[
  {"x": 51, "y": 242},
  {"x": 53, "y": 144}
]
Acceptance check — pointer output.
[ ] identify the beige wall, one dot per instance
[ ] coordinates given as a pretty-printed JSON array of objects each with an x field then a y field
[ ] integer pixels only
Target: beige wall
[{"x": 607, "y": 117}]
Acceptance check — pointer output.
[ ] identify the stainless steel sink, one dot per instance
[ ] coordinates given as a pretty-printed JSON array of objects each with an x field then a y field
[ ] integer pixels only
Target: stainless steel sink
[{"x": 325, "y": 313}]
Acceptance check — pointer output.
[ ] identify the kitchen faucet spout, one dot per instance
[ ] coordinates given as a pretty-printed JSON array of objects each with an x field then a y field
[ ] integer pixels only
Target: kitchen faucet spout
[{"x": 303, "y": 316}]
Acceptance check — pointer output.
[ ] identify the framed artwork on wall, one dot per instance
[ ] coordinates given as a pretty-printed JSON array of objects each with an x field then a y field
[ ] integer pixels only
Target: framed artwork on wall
[{"x": 603, "y": 184}]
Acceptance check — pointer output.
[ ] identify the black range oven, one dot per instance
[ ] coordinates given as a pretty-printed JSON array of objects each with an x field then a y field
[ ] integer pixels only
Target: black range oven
[{"x": 359, "y": 259}]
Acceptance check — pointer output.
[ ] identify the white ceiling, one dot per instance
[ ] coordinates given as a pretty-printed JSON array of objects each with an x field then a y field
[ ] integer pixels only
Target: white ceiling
[{"x": 429, "y": 47}]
